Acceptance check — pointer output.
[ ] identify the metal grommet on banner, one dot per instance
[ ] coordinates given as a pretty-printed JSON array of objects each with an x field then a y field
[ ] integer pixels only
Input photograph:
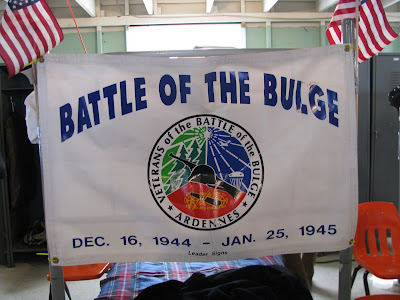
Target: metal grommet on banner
[
  {"x": 40, "y": 59},
  {"x": 54, "y": 260},
  {"x": 347, "y": 48}
]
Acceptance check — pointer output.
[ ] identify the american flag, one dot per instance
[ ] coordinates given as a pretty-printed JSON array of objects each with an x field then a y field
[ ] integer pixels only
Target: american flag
[
  {"x": 28, "y": 30},
  {"x": 374, "y": 32}
]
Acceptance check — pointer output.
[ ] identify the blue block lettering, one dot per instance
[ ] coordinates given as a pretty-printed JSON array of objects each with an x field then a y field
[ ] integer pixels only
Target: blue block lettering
[
  {"x": 270, "y": 96},
  {"x": 319, "y": 113},
  {"x": 66, "y": 123},
  {"x": 140, "y": 92},
  {"x": 228, "y": 87},
  {"x": 89, "y": 241},
  {"x": 183, "y": 89},
  {"x": 333, "y": 108},
  {"x": 101, "y": 243},
  {"x": 287, "y": 100},
  {"x": 76, "y": 243},
  {"x": 126, "y": 107},
  {"x": 83, "y": 115},
  {"x": 164, "y": 81},
  {"x": 93, "y": 99},
  {"x": 210, "y": 78},
  {"x": 299, "y": 106},
  {"x": 109, "y": 92},
  {"x": 244, "y": 87}
]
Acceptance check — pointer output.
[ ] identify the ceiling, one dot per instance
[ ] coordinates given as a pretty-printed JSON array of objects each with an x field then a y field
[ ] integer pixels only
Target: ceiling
[{"x": 92, "y": 13}]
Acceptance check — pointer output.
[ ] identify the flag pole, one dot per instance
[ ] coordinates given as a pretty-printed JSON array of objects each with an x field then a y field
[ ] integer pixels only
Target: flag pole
[
  {"x": 356, "y": 56},
  {"x": 345, "y": 256},
  {"x": 356, "y": 35}
]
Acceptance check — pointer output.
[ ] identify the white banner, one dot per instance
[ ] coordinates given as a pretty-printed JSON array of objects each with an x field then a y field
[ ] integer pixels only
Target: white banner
[{"x": 198, "y": 158}]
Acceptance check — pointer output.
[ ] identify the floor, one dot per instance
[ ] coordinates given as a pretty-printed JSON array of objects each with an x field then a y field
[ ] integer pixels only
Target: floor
[{"x": 27, "y": 280}]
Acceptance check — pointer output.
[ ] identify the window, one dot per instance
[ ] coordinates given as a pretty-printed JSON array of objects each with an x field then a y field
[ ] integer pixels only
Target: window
[{"x": 184, "y": 37}]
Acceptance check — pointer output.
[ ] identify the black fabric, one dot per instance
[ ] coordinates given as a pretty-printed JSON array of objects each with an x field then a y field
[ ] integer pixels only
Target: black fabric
[
  {"x": 394, "y": 97},
  {"x": 248, "y": 283},
  {"x": 19, "y": 160},
  {"x": 3, "y": 169}
]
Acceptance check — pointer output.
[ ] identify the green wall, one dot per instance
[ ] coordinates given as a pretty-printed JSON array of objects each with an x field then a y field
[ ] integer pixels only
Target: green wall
[
  {"x": 298, "y": 37},
  {"x": 284, "y": 37},
  {"x": 256, "y": 37},
  {"x": 72, "y": 44},
  {"x": 110, "y": 40},
  {"x": 114, "y": 41},
  {"x": 295, "y": 37}
]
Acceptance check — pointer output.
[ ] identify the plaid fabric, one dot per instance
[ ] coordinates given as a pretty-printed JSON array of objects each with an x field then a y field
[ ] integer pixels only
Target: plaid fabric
[{"x": 126, "y": 280}]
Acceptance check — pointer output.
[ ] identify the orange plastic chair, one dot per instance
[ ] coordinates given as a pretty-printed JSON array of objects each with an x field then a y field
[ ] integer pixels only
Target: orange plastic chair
[
  {"x": 81, "y": 272},
  {"x": 380, "y": 297},
  {"x": 377, "y": 241}
]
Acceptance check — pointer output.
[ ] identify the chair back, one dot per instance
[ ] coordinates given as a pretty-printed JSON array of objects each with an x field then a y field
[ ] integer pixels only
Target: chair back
[
  {"x": 380, "y": 297},
  {"x": 378, "y": 231}
]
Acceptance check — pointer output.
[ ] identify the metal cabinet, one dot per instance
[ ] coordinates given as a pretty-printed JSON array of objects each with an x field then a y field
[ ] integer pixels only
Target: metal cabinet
[
  {"x": 384, "y": 181},
  {"x": 17, "y": 215},
  {"x": 364, "y": 130}
]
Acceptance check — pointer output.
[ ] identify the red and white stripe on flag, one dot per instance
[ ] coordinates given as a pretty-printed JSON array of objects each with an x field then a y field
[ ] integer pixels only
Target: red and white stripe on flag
[
  {"x": 28, "y": 30},
  {"x": 374, "y": 32}
]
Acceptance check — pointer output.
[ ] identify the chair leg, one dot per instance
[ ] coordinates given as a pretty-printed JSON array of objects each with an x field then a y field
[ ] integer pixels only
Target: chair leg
[
  {"x": 366, "y": 286},
  {"x": 67, "y": 290},
  {"x": 353, "y": 276}
]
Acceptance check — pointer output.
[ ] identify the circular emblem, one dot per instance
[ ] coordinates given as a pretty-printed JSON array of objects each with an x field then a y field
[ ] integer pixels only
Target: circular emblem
[{"x": 205, "y": 172}]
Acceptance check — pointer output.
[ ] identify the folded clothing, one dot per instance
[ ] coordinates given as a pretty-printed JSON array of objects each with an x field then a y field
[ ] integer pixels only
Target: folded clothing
[{"x": 36, "y": 234}]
